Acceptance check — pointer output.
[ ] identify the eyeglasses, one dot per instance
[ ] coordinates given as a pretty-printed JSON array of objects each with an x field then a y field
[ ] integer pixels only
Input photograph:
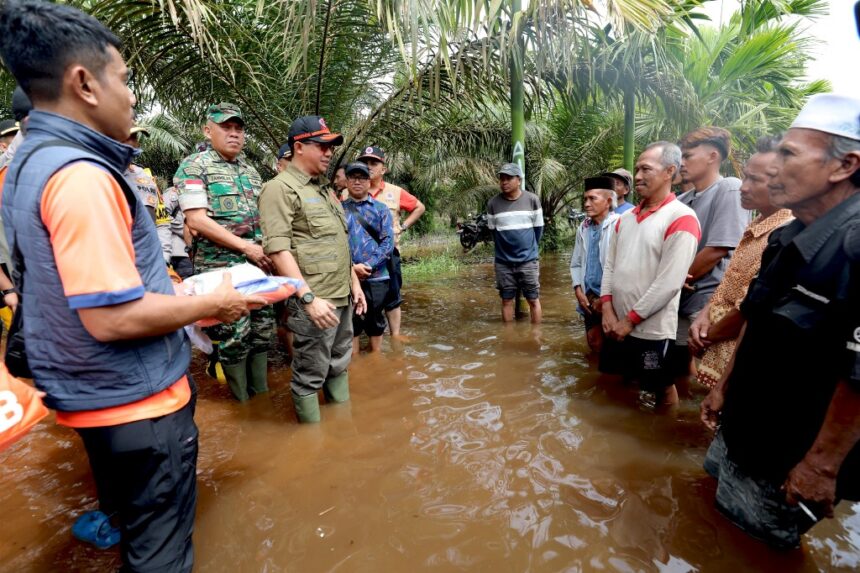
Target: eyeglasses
[
  {"x": 358, "y": 178},
  {"x": 323, "y": 146}
]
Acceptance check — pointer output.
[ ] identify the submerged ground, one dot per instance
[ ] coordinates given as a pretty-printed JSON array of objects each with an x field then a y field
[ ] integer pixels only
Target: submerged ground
[{"x": 468, "y": 447}]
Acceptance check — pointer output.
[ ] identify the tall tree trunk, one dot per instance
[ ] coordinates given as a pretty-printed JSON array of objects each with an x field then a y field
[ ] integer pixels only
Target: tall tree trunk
[
  {"x": 629, "y": 126},
  {"x": 323, "y": 43},
  {"x": 518, "y": 119}
]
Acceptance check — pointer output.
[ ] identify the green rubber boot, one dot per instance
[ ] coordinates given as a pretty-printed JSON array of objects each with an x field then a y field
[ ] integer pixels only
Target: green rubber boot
[
  {"x": 257, "y": 373},
  {"x": 336, "y": 389},
  {"x": 307, "y": 408},
  {"x": 237, "y": 379}
]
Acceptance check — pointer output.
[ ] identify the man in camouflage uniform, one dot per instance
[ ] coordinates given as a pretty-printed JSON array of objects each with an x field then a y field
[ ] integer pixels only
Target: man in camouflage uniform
[{"x": 218, "y": 193}]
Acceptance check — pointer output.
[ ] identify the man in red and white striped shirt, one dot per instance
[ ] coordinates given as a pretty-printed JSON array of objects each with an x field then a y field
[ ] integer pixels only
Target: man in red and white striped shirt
[{"x": 645, "y": 268}]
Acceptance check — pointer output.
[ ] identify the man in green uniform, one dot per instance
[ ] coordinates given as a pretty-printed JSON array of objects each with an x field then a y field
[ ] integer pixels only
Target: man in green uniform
[
  {"x": 218, "y": 192},
  {"x": 305, "y": 234}
]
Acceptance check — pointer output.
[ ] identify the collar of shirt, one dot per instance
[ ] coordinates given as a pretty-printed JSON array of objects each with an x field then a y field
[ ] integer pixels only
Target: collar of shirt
[
  {"x": 809, "y": 240},
  {"x": 762, "y": 226},
  {"x": 607, "y": 220},
  {"x": 217, "y": 157},
  {"x": 637, "y": 210},
  {"x": 695, "y": 193},
  {"x": 367, "y": 199},
  {"x": 375, "y": 191},
  {"x": 303, "y": 177}
]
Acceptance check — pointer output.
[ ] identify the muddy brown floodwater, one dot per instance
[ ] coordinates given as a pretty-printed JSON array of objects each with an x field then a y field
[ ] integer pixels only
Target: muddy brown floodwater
[{"x": 470, "y": 447}]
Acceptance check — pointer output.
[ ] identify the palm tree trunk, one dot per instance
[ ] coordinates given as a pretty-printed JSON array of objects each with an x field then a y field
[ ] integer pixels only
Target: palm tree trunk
[
  {"x": 518, "y": 120},
  {"x": 323, "y": 43},
  {"x": 629, "y": 125}
]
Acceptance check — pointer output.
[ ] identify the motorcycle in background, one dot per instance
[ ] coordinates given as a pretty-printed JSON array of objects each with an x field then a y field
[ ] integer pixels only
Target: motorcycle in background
[{"x": 474, "y": 231}]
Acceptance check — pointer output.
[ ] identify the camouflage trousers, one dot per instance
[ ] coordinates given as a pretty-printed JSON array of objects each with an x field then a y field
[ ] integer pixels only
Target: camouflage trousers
[{"x": 248, "y": 335}]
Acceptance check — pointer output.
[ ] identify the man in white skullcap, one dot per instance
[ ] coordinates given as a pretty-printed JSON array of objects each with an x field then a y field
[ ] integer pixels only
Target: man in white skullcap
[{"x": 787, "y": 410}]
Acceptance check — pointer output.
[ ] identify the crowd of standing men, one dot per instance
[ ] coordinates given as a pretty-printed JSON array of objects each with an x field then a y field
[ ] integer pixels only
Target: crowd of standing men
[{"x": 770, "y": 304}]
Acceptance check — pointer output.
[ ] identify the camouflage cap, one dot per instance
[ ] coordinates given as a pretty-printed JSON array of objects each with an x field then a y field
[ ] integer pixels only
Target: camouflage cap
[{"x": 221, "y": 112}]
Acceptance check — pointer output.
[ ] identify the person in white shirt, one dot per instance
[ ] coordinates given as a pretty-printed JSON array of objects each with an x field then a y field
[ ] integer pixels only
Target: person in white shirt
[
  {"x": 646, "y": 266},
  {"x": 589, "y": 252}
]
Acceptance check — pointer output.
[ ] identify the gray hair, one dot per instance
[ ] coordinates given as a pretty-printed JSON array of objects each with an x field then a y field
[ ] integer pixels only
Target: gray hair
[
  {"x": 768, "y": 143},
  {"x": 613, "y": 197},
  {"x": 841, "y": 146},
  {"x": 671, "y": 155}
]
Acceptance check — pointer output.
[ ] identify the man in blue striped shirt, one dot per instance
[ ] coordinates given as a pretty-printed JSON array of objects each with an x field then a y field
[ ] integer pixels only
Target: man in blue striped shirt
[
  {"x": 371, "y": 242},
  {"x": 516, "y": 218}
]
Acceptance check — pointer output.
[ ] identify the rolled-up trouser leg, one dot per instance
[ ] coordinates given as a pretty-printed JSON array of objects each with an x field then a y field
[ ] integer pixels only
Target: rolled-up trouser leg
[{"x": 320, "y": 354}]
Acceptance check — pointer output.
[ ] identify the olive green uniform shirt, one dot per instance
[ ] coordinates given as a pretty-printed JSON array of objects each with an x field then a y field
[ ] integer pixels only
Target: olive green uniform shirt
[{"x": 301, "y": 215}]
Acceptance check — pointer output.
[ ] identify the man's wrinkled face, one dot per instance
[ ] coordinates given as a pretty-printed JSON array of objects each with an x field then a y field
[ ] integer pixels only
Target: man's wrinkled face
[
  {"x": 358, "y": 184},
  {"x": 621, "y": 188},
  {"x": 596, "y": 203},
  {"x": 697, "y": 162},
  {"x": 755, "y": 188},
  {"x": 651, "y": 175},
  {"x": 508, "y": 184},
  {"x": 802, "y": 168},
  {"x": 376, "y": 167},
  {"x": 227, "y": 138}
]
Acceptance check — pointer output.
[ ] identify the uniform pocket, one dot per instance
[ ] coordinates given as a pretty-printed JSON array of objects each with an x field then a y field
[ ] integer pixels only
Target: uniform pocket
[
  {"x": 316, "y": 258},
  {"x": 225, "y": 200},
  {"x": 320, "y": 222}
]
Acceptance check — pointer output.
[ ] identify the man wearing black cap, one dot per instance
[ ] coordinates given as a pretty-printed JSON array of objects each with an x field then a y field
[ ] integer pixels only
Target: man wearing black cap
[
  {"x": 371, "y": 242},
  {"x": 285, "y": 154},
  {"x": 306, "y": 235},
  {"x": 589, "y": 254},
  {"x": 623, "y": 184},
  {"x": 8, "y": 131},
  {"x": 516, "y": 219},
  {"x": 21, "y": 107},
  {"x": 396, "y": 199}
]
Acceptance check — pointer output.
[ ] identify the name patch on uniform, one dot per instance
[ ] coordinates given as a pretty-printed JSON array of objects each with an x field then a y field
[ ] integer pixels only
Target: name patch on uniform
[
  {"x": 220, "y": 178},
  {"x": 313, "y": 200}
]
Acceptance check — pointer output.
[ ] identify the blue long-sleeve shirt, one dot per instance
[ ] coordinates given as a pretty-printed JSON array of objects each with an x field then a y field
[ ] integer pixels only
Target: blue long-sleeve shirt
[{"x": 363, "y": 248}]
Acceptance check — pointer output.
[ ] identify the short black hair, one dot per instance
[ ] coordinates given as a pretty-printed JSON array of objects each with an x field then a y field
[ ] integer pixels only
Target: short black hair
[
  {"x": 767, "y": 143},
  {"x": 39, "y": 40}
]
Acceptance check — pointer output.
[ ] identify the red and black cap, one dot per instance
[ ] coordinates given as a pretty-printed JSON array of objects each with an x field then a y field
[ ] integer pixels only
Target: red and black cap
[
  {"x": 313, "y": 128},
  {"x": 372, "y": 152}
]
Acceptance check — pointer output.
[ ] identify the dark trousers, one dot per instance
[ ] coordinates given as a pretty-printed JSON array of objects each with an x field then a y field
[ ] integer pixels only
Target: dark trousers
[
  {"x": 182, "y": 266},
  {"x": 145, "y": 473}
]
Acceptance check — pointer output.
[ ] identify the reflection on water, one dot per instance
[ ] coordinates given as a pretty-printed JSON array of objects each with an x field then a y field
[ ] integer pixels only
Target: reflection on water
[{"x": 469, "y": 446}]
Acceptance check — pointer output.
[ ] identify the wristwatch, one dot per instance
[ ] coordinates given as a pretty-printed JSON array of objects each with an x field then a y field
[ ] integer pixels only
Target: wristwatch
[
  {"x": 307, "y": 298},
  {"x": 8, "y": 291}
]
